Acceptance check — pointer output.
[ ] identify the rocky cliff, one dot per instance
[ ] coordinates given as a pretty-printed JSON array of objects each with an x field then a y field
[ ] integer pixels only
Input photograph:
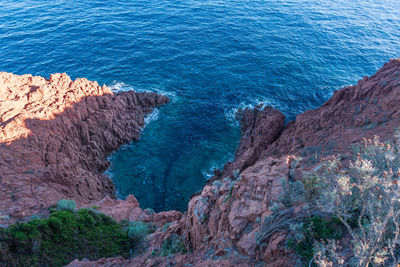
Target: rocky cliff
[
  {"x": 230, "y": 212},
  {"x": 223, "y": 223},
  {"x": 55, "y": 135}
]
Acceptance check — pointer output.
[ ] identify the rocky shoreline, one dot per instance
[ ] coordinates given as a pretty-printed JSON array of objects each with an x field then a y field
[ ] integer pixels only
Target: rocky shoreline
[{"x": 55, "y": 136}]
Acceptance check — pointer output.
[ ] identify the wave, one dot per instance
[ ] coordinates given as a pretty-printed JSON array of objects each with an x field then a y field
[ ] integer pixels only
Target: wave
[
  {"x": 117, "y": 86},
  {"x": 230, "y": 113},
  {"x": 208, "y": 173},
  {"x": 109, "y": 172},
  {"x": 151, "y": 117},
  {"x": 313, "y": 101},
  {"x": 120, "y": 87}
]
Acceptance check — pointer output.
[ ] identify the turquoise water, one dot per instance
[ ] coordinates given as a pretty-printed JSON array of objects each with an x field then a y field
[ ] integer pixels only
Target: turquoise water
[{"x": 210, "y": 57}]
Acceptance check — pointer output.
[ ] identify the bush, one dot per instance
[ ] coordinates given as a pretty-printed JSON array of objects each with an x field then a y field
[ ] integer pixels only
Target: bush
[
  {"x": 4, "y": 217},
  {"x": 280, "y": 220},
  {"x": 173, "y": 244},
  {"x": 61, "y": 238},
  {"x": 66, "y": 204},
  {"x": 314, "y": 229},
  {"x": 365, "y": 197},
  {"x": 137, "y": 231}
]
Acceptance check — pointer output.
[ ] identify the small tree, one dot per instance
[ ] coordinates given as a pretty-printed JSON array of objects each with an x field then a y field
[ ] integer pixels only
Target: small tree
[{"x": 365, "y": 195}]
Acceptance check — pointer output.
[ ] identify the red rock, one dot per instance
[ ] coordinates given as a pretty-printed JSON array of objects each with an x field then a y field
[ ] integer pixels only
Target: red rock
[
  {"x": 129, "y": 209},
  {"x": 354, "y": 112},
  {"x": 55, "y": 135},
  {"x": 260, "y": 128},
  {"x": 222, "y": 222},
  {"x": 235, "y": 209}
]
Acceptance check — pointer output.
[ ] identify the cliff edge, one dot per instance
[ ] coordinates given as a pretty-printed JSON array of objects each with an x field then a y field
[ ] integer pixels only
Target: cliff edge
[
  {"x": 223, "y": 223},
  {"x": 55, "y": 135}
]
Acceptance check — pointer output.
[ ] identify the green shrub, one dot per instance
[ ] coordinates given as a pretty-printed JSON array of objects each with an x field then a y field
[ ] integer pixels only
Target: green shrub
[
  {"x": 280, "y": 220},
  {"x": 229, "y": 196},
  {"x": 35, "y": 217},
  {"x": 173, "y": 244},
  {"x": 66, "y": 204},
  {"x": 314, "y": 229},
  {"x": 165, "y": 227},
  {"x": 4, "y": 217},
  {"x": 137, "y": 231},
  {"x": 236, "y": 175},
  {"x": 63, "y": 237}
]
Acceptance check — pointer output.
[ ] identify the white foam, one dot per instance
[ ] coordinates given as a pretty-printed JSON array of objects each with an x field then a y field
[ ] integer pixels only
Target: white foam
[
  {"x": 109, "y": 173},
  {"x": 171, "y": 95},
  {"x": 117, "y": 86},
  {"x": 230, "y": 113},
  {"x": 151, "y": 117},
  {"x": 207, "y": 174}
]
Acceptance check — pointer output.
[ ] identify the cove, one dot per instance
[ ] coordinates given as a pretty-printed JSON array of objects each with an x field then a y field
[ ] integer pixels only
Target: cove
[{"x": 210, "y": 57}]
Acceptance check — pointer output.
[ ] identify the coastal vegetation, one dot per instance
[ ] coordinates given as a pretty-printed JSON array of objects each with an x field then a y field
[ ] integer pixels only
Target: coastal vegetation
[
  {"x": 173, "y": 244},
  {"x": 359, "y": 203},
  {"x": 68, "y": 234},
  {"x": 350, "y": 215}
]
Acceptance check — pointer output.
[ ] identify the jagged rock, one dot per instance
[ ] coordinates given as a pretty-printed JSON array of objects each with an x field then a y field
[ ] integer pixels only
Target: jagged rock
[
  {"x": 355, "y": 112},
  {"x": 55, "y": 135},
  {"x": 223, "y": 222},
  {"x": 129, "y": 209},
  {"x": 235, "y": 209},
  {"x": 260, "y": 128}
]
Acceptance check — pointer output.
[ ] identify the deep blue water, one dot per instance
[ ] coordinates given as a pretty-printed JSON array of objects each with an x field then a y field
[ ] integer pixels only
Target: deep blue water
[{"x": 210, "y": 57}]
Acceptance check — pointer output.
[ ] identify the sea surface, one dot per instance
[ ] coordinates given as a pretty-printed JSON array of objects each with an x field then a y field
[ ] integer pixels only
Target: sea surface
[{"x": 211, "y": 57}]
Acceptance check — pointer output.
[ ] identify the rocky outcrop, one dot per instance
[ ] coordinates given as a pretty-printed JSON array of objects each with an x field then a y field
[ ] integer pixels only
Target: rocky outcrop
[
  {"x": 224, "y": 222},
  {"x": 55, "y": 135},
  {"x": 232, "y": 210},
  {"x": 129, "y": 209},
  {"x": 355, "y": 112},
  {"x": 260, "y": 128}
]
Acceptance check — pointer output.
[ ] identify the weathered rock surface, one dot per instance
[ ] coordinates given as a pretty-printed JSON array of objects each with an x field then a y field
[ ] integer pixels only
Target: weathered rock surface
[
  {"x": 260, "y": 128},
  {"x": 223, "y": 222},
  {"x": 355, "y": 112},
  {"x": 230, "y": 211},
  {"x": 129, "y": 209},
  {"x": 55, "y": 135}
]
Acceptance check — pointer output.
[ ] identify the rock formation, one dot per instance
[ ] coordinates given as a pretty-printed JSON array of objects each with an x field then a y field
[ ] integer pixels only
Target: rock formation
[
  {"x": 55, "y": 136},
  {"x": 229, "y": 212},
  {"x": 222, "y": 224}
]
